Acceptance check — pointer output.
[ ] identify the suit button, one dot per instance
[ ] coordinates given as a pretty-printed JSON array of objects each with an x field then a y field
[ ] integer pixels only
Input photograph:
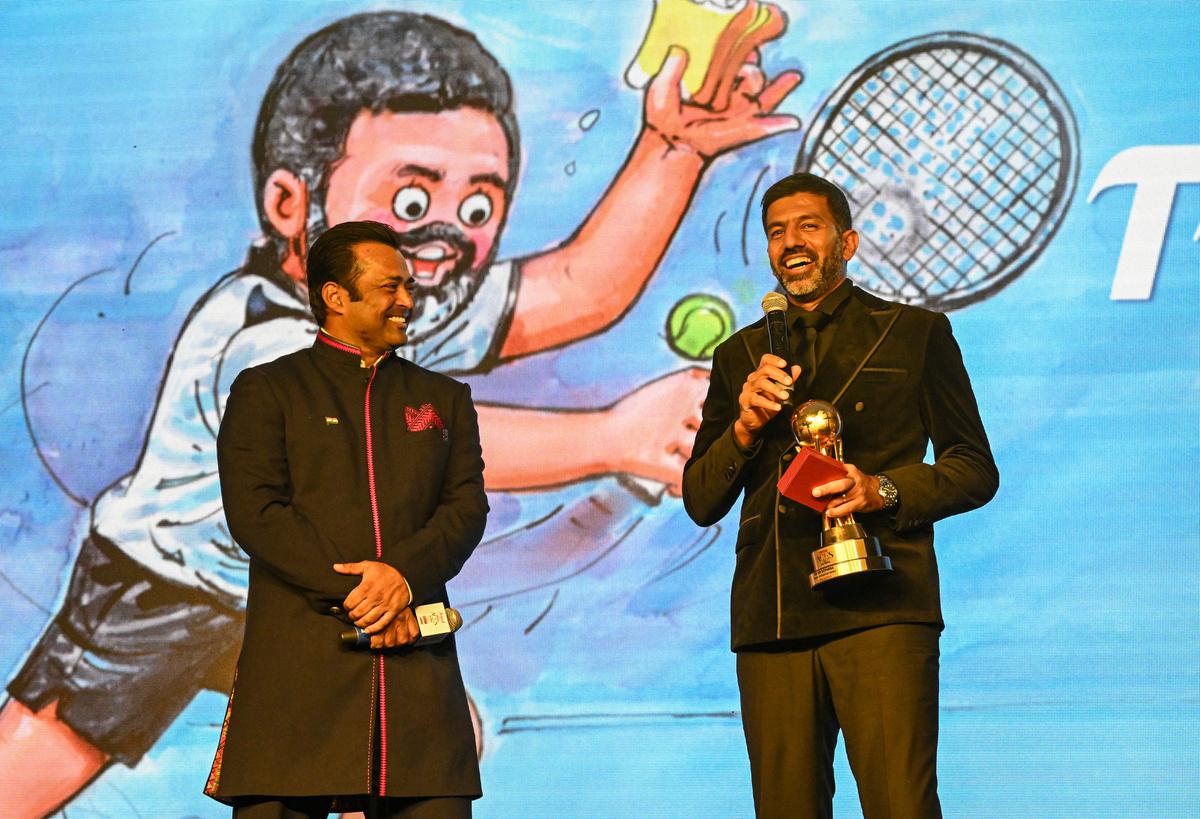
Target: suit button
[
  {"x": 787, "y": 456},
  {"x": 335, "y": 609},
  {"x": 782, "y": 509},
  {"x": 858, "y": 406},
  {"x": 730, "y": 471}
]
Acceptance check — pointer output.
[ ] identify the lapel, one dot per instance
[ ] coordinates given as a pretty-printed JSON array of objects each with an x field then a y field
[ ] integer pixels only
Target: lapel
[
  {"x": 859, "y": 333},
  {"x": 755, "y": 344},
  {"x": 860, "y": 330}
]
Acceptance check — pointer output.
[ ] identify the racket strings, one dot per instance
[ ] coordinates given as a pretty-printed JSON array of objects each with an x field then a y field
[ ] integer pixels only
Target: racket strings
[
  {"x": 977, "y": 146},
  {"x": 968, "y": 195}
]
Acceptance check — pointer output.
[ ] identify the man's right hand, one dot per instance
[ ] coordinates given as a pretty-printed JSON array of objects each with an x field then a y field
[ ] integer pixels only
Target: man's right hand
[
  {"x": 759, "y": 400},
  {"x": 380, "y": 596},
  {"x": 403, "y": 630}
]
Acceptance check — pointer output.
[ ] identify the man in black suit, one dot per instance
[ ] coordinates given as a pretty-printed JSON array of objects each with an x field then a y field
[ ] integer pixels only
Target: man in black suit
[
  {"x": 354, "y": 481},
  {"x": 858, "y": 654}
]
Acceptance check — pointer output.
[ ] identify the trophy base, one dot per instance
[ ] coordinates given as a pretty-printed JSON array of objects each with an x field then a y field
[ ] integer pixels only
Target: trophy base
[{"x": 847, "y": 551}]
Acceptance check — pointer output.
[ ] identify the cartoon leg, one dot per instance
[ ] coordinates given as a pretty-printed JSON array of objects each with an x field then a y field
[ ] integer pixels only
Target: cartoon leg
[
  {"x": 114, "y": 668},
  {"x": 43, "y": 762}
]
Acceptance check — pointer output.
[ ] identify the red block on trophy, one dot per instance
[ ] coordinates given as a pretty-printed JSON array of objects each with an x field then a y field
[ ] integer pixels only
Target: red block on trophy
[{"x": 809, "y": 470}]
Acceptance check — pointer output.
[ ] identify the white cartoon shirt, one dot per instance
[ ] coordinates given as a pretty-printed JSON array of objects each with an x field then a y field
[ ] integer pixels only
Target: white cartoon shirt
[{"x": 167, "y": 514}]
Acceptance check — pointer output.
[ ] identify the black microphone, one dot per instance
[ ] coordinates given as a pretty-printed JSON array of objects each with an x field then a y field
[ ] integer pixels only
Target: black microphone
[
  {"x": 775, "y": 306},
  {"x": 435, "y": 620}
]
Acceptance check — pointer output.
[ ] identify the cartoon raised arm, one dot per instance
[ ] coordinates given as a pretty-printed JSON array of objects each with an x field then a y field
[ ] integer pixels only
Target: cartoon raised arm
[
  {"x": 602, "y": 268},
  {"x": 581, "y": 287}
]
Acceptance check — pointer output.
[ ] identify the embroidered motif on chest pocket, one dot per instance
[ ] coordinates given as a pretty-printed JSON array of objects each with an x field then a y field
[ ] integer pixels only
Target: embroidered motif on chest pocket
[{"x": 423, "y": 418}]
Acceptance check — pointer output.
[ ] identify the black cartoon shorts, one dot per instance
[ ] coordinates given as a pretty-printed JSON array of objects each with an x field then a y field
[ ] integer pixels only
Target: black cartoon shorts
[{"x": 127, "y": 651}]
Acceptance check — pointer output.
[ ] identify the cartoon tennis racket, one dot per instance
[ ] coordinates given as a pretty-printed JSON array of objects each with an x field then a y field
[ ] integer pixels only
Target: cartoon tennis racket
[{"x": 959, "y": 154}]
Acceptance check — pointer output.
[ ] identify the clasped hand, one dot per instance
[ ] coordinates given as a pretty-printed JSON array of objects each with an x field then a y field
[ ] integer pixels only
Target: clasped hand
[{"x": 380, "y": 604}]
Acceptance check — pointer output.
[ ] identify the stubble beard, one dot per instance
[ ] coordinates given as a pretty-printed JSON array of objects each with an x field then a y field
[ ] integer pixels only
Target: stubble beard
[
  {"x": 833, "y": 269},
  {"x": 434, "y": 306}
]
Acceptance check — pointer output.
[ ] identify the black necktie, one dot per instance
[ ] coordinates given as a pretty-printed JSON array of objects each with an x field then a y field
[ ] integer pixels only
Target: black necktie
[{"x": 809, "y": 324}]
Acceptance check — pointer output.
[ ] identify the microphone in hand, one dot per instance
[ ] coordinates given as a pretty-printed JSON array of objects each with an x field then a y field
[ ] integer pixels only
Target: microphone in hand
[
  {"x": 435, "y": 620},
  {"x": 775, "y": 306}
]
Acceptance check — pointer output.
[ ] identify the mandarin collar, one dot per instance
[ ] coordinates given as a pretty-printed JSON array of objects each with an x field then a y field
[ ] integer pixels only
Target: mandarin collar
[{"x": 342, "y": 351}]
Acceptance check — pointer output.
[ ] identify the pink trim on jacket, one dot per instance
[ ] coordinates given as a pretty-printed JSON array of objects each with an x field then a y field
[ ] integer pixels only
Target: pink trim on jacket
[
  {"x": 325, "y": 338},
  {"x": 378, "y": 554}
]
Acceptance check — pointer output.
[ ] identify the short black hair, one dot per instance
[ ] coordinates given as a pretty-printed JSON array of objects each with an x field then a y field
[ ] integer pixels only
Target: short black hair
[
  {"x": 380, "y": 61},
  {"x": 332, "y": 259},
  {"x": 810, "y": 183}
]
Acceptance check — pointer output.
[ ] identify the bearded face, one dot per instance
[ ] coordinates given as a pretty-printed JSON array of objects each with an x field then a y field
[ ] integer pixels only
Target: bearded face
[
  {"x": 436, "y": 301},
  {"x": 807, "y": 248},
  {"x": 440, "y": 180},
  {"x": 812, "y": 274}
]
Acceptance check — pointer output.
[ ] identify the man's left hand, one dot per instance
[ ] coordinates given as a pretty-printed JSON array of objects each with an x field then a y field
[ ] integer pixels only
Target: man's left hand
[
  {"x": 378, "y": 598},
  {"x": 744, "y": 115},
  {"x": 402, "y": 631},
  {"x": 857, "y": 492}
]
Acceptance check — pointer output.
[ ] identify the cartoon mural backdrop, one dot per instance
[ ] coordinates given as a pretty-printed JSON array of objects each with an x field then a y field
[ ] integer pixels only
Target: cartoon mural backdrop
[{"x": 579, "y": 191}]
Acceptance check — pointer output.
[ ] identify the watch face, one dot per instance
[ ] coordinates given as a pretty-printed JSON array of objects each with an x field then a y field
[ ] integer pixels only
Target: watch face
[{"x": 887, "y": 491}]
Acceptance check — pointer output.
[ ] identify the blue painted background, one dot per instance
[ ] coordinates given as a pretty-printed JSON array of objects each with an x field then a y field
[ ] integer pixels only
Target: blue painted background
[{"x": 1071, "y": 660}]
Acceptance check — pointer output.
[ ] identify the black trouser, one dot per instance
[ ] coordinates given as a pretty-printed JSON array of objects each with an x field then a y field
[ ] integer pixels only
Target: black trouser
[
  {"x": 318, "y": 807},
  {"x": 879, "y": 687}
]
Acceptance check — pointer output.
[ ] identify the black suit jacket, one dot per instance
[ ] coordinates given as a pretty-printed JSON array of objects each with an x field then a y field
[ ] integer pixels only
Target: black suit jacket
[
  {"x": 897, "y": 378},
  {"x": 296, "y": 486}
]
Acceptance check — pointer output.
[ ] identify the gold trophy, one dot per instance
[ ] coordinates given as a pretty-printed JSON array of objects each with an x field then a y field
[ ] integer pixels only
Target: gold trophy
[{"x": 846, "y": 549}]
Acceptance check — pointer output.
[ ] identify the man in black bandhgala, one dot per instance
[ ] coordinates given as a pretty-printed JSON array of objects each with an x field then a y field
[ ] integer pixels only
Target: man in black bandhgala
[{"x": 354, "y": 480}]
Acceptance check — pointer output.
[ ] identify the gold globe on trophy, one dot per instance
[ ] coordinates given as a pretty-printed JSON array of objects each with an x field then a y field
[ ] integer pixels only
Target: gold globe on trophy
[{"x": 846, "y": 549}]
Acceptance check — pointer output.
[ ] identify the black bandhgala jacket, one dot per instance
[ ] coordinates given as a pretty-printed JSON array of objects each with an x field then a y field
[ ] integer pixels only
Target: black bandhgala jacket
[
  {"x": 323, "y": 461},
  {"x": 897, "y": 378}
]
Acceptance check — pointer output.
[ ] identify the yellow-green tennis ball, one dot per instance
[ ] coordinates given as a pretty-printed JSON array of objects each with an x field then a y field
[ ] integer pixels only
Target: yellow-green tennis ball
[{"x": 697, "y": 324}]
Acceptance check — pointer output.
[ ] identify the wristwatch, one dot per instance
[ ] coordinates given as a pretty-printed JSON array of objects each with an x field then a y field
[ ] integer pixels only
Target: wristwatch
[{"x": 889, "y": 493}]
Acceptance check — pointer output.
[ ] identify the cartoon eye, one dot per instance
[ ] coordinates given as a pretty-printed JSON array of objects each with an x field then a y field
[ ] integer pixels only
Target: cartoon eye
[
  {"x": 411, "y": 203},
  {"x": 475, "y": 209}
]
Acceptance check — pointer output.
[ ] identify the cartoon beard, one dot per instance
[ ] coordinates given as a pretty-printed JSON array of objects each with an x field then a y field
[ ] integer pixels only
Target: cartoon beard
[{"x": 434, "y": 305}]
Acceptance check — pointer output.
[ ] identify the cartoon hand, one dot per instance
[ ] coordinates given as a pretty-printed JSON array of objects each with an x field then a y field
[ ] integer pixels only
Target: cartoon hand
[
  {"x": 654, "y": 427},
  {"x": 740, "y": 114}
]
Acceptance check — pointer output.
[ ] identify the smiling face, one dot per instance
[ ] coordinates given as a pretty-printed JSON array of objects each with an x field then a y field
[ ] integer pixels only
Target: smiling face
[
  {"x": 373, "y": 313},
  {"x": 441, "y": 180},
  {"x": 808, "y": 251}
]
